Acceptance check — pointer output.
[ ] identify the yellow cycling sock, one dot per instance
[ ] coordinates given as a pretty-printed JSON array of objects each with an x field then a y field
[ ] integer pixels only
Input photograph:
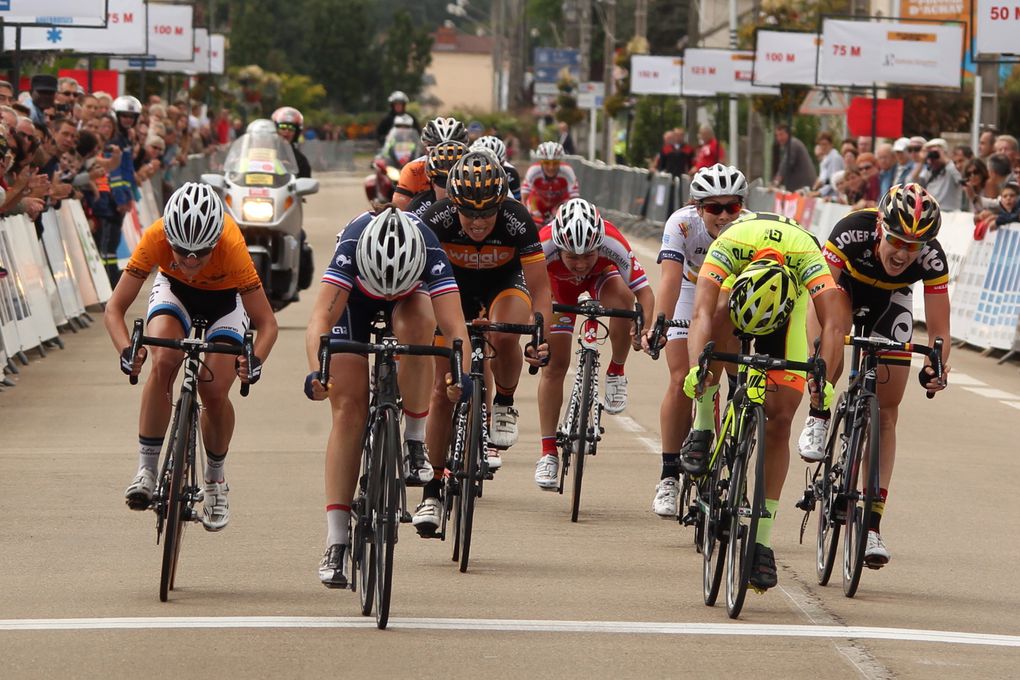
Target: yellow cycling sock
[
  {"x": 704, "y": 415},
  {"x": 764, "y": 535}
]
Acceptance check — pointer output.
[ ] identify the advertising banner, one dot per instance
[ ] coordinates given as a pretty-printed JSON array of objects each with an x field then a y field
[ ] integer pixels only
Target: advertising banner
[
  {"x": 53, "y": 12},
  {"x": 171, "y": 32},
  {"x": 217, "y": 54},
  {"x": 996, "y": 26},
  {"x": 655, "y": 75},
  {"x": 711, "y": 72},
  {"x": 125, "y": 33},
  {"x": 893, "y": 52},
  {"x": 784, "y": 58}
]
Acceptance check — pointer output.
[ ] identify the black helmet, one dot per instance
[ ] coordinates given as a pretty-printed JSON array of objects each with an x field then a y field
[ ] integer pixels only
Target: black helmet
[{"x": 477, "y": 182}]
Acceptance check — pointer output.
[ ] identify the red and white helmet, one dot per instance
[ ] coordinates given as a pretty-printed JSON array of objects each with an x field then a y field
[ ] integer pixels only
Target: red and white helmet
[
  {"x": 578, "y": 227},
  {"x": 288, "y": 115},
  {"x": 549, "y": 151}
]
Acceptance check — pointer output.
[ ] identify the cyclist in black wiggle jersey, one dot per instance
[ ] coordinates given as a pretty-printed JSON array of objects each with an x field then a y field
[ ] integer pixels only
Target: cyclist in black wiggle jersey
[
  {"x": 441, "y": 158},
  {"x": 499, "y": 265}
]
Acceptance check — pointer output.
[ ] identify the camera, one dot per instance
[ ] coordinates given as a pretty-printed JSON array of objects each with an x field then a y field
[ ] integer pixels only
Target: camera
[{"x": 933, "y": 155}]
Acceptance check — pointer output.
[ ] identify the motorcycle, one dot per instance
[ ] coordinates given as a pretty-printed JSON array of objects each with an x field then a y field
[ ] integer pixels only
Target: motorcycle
[
  {"x": 263, "y": 194},
  {"x": 380, "y": 184}
]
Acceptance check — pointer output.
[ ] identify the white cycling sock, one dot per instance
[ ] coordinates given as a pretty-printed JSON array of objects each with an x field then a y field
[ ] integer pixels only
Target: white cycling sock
[
  {"x": 148, "y": 452},
  {"x": 414, "y": 426},
  {"x": 338, "y": 517}
]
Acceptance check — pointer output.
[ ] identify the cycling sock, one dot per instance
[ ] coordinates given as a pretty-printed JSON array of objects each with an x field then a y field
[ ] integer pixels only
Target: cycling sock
[
  {"x": 338, "y": 517},
  {"x": 504, "y": 395},
  {"x": 614, "y": 368},
  {"x": 670, "y": 465},
  {"x": 764, "y": 535},
  {"x": 148, "y": 452},
  {"x": 824, "y": 414},
  {"x": 433, "y": 488},
  {"x": 414, "y": 426},
  {"x": 704, "y": 415},
  {"x": 549, "y": 446},
  {"x": 214, "y": 466},
  {"x": 877, "y": 510}
]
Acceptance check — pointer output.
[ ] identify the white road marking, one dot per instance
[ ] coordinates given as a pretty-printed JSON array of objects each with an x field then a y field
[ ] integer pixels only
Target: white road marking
[
  {"x": 629, "y": 424},
  {"x": 993, "y": 393},
  {"x": 519, "y": 626},
  {"x": 652, "y": 444},
  {"x": 962, "y": 379},
  {"x": 1014, "y": 404}
]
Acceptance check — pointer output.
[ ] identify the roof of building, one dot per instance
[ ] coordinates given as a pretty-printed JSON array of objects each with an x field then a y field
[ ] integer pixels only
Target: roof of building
[{"x": 449, "y": 39}]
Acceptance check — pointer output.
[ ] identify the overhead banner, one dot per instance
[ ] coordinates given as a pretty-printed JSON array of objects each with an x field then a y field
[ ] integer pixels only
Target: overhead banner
[
  {"x": 711, "y": 72},
  {"x": 217, "y": 53},
  {"x": 171, "y": 32},
  {"x": 200, "y": 64},
  {"x": 996, "y": 26},
  {"x": 940, "y": 10},
  {"x": 125, "y": 33},
  {"x": 864, "y": 53},
  {"x": 53, "y": 12},
  {"x": 655, "y": 75},
  {"x": 784, "y": 58}
]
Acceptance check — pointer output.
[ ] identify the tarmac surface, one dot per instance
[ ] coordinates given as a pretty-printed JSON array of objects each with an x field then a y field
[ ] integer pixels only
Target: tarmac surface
[{"x": 616, "y": 595}]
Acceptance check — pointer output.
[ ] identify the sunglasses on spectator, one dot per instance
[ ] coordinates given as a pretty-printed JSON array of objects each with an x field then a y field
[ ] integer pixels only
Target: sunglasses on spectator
[
  {"x": 719, "y": 208},
  {"x": 903, "y": 244},
  {"x": 478, "y": 214},
  {"x": 197, "y": 254},
  {"x": 865, "y": 167},
  {"x": 914, "y": 149}
]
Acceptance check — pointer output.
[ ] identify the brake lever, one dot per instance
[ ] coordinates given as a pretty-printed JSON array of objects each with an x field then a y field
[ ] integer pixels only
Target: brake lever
[
  {"x": 249, "y": 356},
  {"x": 136, "y": 344},
  {"x": 324, "y": 359},
  {"x": 653, "y": 340},
  {"x": 537, "y": 340},
  {"x": 936, "y": 364}
]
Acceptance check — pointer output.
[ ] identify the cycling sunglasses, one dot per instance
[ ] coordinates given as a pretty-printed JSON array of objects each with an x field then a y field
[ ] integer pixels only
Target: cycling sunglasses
[
  {"x": 719, "y": 208},
  {"x": 902, "y": 243},
  {"x": 287, "y": 126},
  {"x": 197, "y": 254},
  {"x": 478, "y": 214}
]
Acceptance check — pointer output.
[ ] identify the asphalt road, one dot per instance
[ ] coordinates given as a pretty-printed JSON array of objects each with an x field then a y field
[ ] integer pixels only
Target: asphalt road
[{"x": 616, "y": 595}]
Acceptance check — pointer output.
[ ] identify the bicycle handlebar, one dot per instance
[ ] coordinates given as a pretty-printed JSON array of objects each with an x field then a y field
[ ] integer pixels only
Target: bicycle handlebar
[
  {"x": 328, "y": 347},
  {"x": 535, "y": 330},
  {"x": 593, "y": 310},
  {"x": 192, "y": 346},
  {"x": 763, "y": 362},
  {"x": 661, "y": 324},
  {"x": 874, "y": 345}
]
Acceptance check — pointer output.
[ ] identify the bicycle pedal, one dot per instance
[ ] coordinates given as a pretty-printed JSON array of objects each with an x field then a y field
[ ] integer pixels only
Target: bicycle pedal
[
  {"x": 405, "y": 518},
  {"x": 756, "y": 589},
  {"x": 426, "y": 532}
]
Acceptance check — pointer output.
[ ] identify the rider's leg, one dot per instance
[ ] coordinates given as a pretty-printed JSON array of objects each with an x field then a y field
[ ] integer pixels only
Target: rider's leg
[
  {"x": 675, "y": 412},
  {"x": 414, "y": 323},
  {"x": 511, "y": 305},
  {"x": 439, "y": 427},
  {"x": 217, "y": 412},
  {"x": 890, "y": 394},
  {"x": 613, "y": 293},
  {"x": 780, "y": 407},
  {"x": 349, "y": 411},
  {"x": 156, "y": 403},
  {"x": 550, "y": 387}
]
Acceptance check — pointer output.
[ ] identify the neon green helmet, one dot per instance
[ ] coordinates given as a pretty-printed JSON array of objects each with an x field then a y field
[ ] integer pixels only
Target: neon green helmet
[{"x": 762, "y": 297}]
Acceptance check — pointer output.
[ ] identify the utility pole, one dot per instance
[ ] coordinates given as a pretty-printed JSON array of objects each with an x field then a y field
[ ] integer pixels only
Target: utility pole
[
  {"x": 734, "y": 154},
  {"x": 608, "y": 57},
  {"x": 693, "y": 36},
  {"x": 641, "y": 19},
  {"x": 584, "y": 39},
  {"x": 496, "y": 16},
  {"x": 516, "y": 42}
]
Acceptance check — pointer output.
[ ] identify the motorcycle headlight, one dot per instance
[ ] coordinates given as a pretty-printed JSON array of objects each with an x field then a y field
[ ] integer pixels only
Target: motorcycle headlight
[{"x": 257, "y": 210}]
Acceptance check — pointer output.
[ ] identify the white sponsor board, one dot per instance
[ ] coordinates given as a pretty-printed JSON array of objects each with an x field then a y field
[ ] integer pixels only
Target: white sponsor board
[
  {"x": 785, "y": 58},
  {"x": 200, "y": 64},
  {"x": 90, "y": 12},
  {"x": 655, "y": 75},
  {"x": 590, "y": 95},
  {"x": 217, "y": 53},
  {"x": 997, "y": 26},
  {"x": 710, "y": 72},
  {"x": 171, "y": 32},
  {"x": 863, "y": 53},
  {"x": 125, "y": 33}
]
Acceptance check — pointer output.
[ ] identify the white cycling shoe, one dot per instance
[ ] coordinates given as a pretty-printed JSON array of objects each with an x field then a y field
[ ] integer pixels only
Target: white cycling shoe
[
  {"x": 215, "y": 507},
  {"x": 616, "y": 394},
  {"x": 138, "y": 495},
  {"x": 547, "y": 472},
  {"x": 666, "y": 493},
  {"x": 503, "y": 432},
  {"x": 428, "y": 517},
  {"x": 876, "y": 555},
  {"x": 811, "y": 442}
]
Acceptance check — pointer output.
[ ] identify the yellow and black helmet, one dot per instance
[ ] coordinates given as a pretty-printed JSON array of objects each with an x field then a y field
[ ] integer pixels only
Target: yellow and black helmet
[
  {"x": 910, "y": 212},
  {"x": 762, "y": 297},
  {"x": 477, "y": 182},
  {"x": 442, "y": 157}
]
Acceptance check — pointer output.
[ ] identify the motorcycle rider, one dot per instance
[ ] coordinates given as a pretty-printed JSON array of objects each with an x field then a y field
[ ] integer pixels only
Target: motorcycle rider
[
  {"x": 402, "y": 142},
  {"x": 398, "y": 107},
  {"x": 289, "y": 123}
]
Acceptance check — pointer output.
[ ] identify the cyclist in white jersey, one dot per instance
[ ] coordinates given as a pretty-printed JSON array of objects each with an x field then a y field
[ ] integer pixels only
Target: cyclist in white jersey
[{"x": 717, "y": 194}]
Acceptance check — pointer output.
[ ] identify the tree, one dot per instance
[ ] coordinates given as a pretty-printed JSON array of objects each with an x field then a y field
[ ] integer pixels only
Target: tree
[
  {"x": 405, "y": 54},
  {"x": 253, "y": 32},
  {"x": 342, "y": 56}
]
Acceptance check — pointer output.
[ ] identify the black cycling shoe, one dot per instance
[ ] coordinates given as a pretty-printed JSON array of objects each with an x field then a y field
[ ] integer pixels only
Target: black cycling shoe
[
  {"x": 763, "y": 569},
  {"x": 335, "y": 567},
  {"x": 417, "y": 469},
  {"x": 694, "y": 454}
]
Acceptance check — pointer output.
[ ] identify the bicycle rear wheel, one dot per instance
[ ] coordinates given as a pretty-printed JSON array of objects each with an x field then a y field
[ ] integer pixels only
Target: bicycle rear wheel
[
  {"x": 387, "y": 513},
  {"x": 714, "y": 528},
  {"x": 175, "y": 507},
  {"x": 469, "y": 488},
  {"x": 827, "y": 488},
  {"x": 863, "y": 442},
  {"x": 581, "y": 430},
  {"x": 744, "y": 511}
]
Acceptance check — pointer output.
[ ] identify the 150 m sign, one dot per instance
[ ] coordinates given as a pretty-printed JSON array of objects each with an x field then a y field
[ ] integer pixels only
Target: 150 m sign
[{"x": 996, "y": 26}]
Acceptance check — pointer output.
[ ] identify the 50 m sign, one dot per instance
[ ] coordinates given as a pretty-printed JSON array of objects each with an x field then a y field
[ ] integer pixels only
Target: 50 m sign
[{"x": 996, "y": 26}]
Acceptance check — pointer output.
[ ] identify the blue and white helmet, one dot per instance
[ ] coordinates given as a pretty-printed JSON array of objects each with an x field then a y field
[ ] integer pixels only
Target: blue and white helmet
[{"x": 390, "y": 254}]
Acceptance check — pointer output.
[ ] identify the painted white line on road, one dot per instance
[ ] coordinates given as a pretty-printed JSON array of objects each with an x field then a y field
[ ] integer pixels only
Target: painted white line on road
[
  {"x": 962, "y": 379},
  {"x": 1014, "y": 404},
  {"x": 519, "y": 626},
  {"x": 653, "y": 445},
  {"x": 993, "y": 393},
  {"x": 629, "y": 424}
]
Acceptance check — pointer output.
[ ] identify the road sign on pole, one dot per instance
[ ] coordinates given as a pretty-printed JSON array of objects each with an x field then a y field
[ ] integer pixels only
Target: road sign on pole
[{"x": 821, "y": 101}]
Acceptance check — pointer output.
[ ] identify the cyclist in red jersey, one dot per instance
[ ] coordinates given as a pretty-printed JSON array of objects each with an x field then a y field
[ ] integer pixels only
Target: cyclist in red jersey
[
  {"x": 548, "y": 183},
  {"x": 586, "y": 254}
]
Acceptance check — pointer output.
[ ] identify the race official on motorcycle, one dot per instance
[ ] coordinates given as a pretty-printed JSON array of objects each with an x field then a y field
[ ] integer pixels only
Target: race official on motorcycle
[
  {"x": 289, "y": 123},
  {"x": 398, "y": 107}
]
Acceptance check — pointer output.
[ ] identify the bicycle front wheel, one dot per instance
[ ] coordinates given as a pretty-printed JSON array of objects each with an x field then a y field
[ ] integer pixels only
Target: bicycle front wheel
[
  {"x": 827, "y": 490},
  {"x": 714, "y": 529},
  {"x": 745, "y": 510},
  {"x": 864, "y": 443},
  {"x": 174, "y": 502},
  {"x": 387, "y": 514},
  {"x": 580, "y": 434},
  {"x": 470, "y": 486}
]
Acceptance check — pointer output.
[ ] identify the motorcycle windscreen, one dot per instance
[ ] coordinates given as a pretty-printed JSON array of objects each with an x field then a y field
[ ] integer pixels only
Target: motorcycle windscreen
[{"x": 260, "y": 160}]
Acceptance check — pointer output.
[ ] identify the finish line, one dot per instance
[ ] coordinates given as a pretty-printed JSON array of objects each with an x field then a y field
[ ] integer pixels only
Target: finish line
[{"x": 517, "y": 626}]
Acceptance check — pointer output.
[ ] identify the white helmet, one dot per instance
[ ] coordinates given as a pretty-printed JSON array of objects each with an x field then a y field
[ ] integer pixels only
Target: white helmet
[
  {"x": 127, "y": 104},
  {"x": 549, "y": 151},
  {"x": 403, "y": 121},
  {"x": 390, "y": 254},
  {"x": 443, "y": 130},
  {"x": 261, "y": 126},
  {"x": 397, "y": 96},
  {"x": 492, "y": 144},
  {"x": 718, "y": 180},
  {"x": 193, "y": 218},
  {"x": 578, "y": 227}
]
